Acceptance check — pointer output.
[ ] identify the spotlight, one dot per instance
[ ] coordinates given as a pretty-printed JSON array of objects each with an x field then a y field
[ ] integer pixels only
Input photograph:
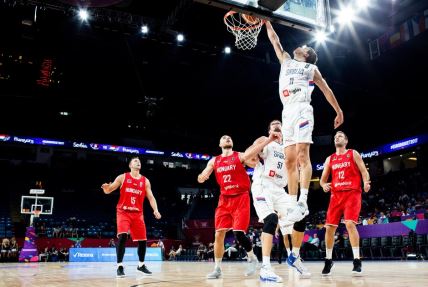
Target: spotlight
[
  {"x": 144, "y": 29},
  {"x": 227, "y": 50},
  {"x": 363, "y": 4},
  {"x": 180, "y": 38},
  {"x": 83, "y": 14},
  {"x": 320, "y": 36},
  {"x": 346, "y": 15}
]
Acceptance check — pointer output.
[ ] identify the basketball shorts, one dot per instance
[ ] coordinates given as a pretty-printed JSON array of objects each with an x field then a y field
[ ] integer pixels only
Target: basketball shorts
[
  {"x": 233, "y": 212},
  {"x": 132, "y": 222},
  {"x": 346, "y": 203},
  {"x": 297, "y": 123},
  {"x": 270, "y": 198}
]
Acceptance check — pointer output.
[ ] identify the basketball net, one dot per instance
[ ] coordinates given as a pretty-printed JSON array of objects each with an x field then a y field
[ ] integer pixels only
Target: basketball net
[{"x": 245, "y": 31}]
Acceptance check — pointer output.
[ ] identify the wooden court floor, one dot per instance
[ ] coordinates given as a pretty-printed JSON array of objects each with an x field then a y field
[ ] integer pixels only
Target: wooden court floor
[{"x": 188, "y": 274}]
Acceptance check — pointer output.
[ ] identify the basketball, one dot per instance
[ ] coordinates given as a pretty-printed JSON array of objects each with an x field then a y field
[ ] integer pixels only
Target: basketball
[{"x": 250, "y": 19}]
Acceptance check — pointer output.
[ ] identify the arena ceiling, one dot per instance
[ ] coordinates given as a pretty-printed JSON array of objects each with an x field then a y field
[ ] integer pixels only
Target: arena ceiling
[{"x": 116, "y": 83}]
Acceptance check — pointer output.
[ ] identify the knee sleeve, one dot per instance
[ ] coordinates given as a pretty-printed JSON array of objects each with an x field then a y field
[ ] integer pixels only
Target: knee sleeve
[
  {"x": 243, "y": 240},
  {"x": 300, "y": 226},
  {"x": 270, "y": 223},
  {"x": 120, "y": 248}
]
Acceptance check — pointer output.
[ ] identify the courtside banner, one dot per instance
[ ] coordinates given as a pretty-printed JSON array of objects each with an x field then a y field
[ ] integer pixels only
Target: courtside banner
[{"x": 109, "y": 254}]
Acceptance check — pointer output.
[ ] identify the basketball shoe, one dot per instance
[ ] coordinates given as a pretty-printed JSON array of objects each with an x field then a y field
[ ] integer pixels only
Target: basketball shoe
[
  {"x": 120, "y": 273},
  {"x": 144, "y": 270}
]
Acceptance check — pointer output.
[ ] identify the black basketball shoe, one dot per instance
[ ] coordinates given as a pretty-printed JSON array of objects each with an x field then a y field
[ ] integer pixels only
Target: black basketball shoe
[
  {"x": 328, "y": 265},
  {"x": 120, "y": 272},
  {"x": 357, "y": 267},
  {"x": 144, "y": 270}
]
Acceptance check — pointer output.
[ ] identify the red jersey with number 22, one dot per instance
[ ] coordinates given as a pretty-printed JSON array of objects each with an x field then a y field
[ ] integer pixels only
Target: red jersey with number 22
[
  {"x": 231, "y": 174},
  {"x": 344, "y": 172},
  {"x": 132, "y": 193}
]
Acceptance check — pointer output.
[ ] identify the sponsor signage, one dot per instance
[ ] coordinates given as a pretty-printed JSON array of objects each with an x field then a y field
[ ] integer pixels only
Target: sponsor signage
[
  {"x": 101, "y": 147},
  {"x": 109, "y": 254},
  {"x": 389, "y": 148}
]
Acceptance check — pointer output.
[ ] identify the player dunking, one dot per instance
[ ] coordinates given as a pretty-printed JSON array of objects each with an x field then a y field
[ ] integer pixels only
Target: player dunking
[
  {"x": 296, "y": 83},
  {"x": 134, "y": 187},
  {"x": 233, "y": 210},
  {"x": 346, "y": 167}
]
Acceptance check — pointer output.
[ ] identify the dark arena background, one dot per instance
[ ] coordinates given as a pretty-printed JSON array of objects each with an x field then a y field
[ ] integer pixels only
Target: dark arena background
[{"x": 87, "y": 85}]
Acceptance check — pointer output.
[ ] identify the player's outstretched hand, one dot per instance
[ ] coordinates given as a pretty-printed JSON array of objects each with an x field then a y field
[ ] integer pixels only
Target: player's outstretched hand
[
  {"x": 105, "y": 187},
  {"x": 157, "y": 214},
  {"x": 338, "y": 120}
]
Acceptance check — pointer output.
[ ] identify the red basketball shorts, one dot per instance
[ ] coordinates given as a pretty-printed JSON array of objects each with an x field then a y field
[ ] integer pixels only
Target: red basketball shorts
[
  {"x": 133, "y": 222},
  {"x": 346, "y": 203},
  {"x": 233, "y": 212}
]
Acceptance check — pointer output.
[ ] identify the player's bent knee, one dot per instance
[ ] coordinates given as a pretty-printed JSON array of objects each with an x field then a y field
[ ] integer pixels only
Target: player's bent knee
[
  {"x": 300, "y": 225},
  {"x": 122, "y": 237},
  {"x": 270, "y": 223}
]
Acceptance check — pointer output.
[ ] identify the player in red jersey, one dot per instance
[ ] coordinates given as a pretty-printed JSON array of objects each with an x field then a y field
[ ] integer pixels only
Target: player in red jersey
[
  {"x": 134, "y": 187},
  {"x": 233, "y": 210},
  {"x": 346, "y": 167}
]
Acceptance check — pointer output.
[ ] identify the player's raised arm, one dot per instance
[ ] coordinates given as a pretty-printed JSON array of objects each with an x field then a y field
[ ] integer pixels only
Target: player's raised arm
[
  {"x": 110, "y": 187},
  {"x": 205, "y": 174},
  {"x": 274, "y": 39},
  {"x": 328, "y": 94},
  {"x": 257, "y": 147}
]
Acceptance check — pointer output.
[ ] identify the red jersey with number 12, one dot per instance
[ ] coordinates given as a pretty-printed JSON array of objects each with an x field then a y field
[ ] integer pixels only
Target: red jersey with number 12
[
  {"x": 344, "y": 172},
  {"x": 132, "y": 193},
  {"x": 231, "y": 174}
]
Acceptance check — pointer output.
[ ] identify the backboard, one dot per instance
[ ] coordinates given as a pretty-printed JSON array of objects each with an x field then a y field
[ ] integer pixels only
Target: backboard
[
  {"x": 308, "y": 15},
  {"x": 31, "y": 203}
]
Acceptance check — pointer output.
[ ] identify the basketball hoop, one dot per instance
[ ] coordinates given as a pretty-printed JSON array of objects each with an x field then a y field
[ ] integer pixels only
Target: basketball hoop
[{"x": 244, "y": 27}]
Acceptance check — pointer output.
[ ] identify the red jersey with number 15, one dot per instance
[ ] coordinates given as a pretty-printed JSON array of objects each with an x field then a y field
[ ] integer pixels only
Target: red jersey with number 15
[
  {"x": 132, "y": 193},
  {"x": 231, "y": 174},
  {"x": 345, "y": 173}
]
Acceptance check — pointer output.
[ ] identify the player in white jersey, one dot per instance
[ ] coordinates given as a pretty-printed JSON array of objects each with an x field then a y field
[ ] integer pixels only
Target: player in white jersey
[
  {"x": 269, "y": 197},
  {"x": 296, "y": 83}
]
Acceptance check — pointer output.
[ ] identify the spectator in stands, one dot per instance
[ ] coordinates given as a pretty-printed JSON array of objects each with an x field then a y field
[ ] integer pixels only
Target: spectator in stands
[
  {"x": 162, "y": 246},
  {"x": 171, "y": 254},
  {"x": 338, "y": 240},
  {"x": 179, "y": 250},
  {"x": 5, "y": 249},
  {"x": 44, "y": 255},
  {"x": 210, "y": 251},
  {"x": 382, "y": 219},
  {"x": 56, "y": 231},
  {"x": 78, "y": 244},
  {"x": 75, "y": 232},
  {"x": 233, "y": 248},
  {"x": 112, "y": 243},
  {"x": 372, "y": 219},
  {"x": 201, "y": 252},
  {"x": 63, "y": 255},
  {"x": 13, "y": 255},
  {"x": 54, "y": 254}
]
